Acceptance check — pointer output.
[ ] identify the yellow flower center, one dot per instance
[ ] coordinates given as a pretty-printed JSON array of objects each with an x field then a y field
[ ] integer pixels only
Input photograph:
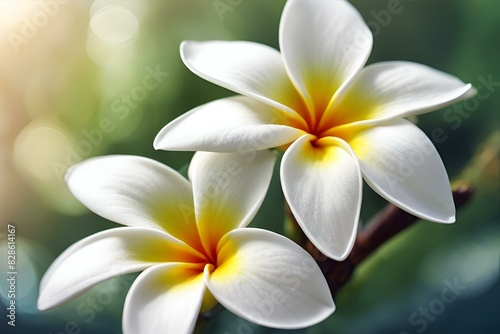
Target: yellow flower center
[{"x": 315, "y": 121}]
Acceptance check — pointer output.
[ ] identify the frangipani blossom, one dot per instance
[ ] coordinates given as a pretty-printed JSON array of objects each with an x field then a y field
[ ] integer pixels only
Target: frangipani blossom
[
  {"x": 188, "y": 238},
  {"x": 336, "y": 121}
]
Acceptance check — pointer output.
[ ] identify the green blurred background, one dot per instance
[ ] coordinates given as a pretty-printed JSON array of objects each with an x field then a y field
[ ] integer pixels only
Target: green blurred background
[{"x": 72, "y": 86}]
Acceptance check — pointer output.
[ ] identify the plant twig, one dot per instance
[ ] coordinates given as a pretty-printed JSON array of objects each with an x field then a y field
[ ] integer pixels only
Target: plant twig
[{"x": 389, "y": 222}]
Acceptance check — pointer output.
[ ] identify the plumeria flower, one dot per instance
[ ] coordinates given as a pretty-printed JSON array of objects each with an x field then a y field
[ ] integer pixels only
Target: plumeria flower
[
  {"x": 336, "y": 121},
  {"x": 188, "y": 238}
]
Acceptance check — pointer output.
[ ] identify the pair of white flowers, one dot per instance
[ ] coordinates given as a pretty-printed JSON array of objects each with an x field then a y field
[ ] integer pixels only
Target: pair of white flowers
[{"x": 336, "y": 122}]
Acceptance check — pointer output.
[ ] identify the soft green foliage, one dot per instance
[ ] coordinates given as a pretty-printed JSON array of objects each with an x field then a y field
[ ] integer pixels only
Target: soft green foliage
[{"x": 458, "y": 37}]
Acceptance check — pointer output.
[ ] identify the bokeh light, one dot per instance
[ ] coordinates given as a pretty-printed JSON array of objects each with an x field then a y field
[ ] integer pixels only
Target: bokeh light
[{"x": 80, "y": 79}]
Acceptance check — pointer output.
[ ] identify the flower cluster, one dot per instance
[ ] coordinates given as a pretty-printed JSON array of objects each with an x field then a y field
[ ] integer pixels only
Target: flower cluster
[
  {"x": 337, "y": 123},
  {"x": 190, "y": 240}
]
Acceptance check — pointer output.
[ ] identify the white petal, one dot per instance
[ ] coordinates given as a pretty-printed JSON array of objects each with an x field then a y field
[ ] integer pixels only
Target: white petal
[
  {"x": 248, "y": 68},
  {"x": 267, "y": 279},
  {"x": 322, "y": 185},
  {"x": 398, "y": 89},
  {"x": 136, "y": 191},
  {"x": 164, "y": 299},
  {"x": 233, "y": 124},
  {"x": 324, "y": 43},
  {"x": 228, "y": 190},
  {"x": 104, "y": 255},
  {"x": 400, "y": 163}
]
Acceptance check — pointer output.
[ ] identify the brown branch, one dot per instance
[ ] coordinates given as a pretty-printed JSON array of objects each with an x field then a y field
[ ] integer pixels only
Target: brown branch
[{"x": 389, "y": 222}]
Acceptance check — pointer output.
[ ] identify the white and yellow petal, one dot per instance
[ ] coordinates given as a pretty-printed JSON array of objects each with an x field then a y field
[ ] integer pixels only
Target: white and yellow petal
[
  {"x": 251, "y": 69},
  {"x": 324, "y": 44},
  {"x": 396, "y": 89},
  {"x": 164, "y": 299},
  {"x": 136, "y": 191},
  {"x": 228, "y": 189},
  {"x": 232, "y": 124},
  {"x": 105, "y": 255},
  {"x": 322, "y": 184},
  {"x": 267, "y": 279},
  {"x": 401, "y": 164}
]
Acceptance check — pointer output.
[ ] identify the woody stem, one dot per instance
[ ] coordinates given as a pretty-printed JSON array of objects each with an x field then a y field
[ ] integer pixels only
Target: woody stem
[{"x": 386, "y": 224}]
